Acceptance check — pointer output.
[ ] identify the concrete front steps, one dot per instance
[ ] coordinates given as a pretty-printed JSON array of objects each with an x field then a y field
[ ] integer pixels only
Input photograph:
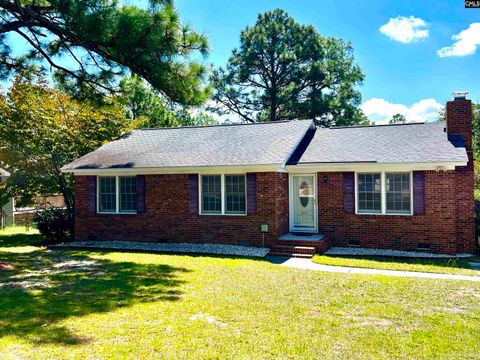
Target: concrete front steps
[
  {"x": 299, "y": 245},
  {"x": 292, "y": 251}
]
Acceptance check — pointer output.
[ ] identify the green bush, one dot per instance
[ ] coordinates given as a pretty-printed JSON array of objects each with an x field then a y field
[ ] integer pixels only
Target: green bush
[
  {"x": 55, "y": 224},
  {"x": 476, "y": 167}
]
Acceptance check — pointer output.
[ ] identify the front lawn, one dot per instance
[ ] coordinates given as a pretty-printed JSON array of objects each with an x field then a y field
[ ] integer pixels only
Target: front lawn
[
  {"x": 18, "y": 239},
  {"x": 99, "y": 305},
  {"x": 460, "y": 266}
]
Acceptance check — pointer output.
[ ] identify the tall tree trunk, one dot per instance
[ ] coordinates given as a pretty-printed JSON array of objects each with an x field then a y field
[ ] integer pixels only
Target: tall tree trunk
[
  {"x": 67, "y": 193},
  {"x": 273, "y": 107}
]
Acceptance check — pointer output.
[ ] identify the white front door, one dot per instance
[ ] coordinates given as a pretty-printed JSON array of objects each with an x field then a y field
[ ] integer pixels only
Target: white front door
[{"x": 303, "y": 202}]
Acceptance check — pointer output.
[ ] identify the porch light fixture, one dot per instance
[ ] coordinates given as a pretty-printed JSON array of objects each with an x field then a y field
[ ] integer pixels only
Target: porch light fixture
[{"x": 325, "y": 179}]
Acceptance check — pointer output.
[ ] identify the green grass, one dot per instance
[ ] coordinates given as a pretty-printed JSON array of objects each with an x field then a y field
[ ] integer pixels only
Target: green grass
[
  {"x": 460, "y": 266},
  {"x": 103, "y": 305},
  {"x": 18, "y": 239}
]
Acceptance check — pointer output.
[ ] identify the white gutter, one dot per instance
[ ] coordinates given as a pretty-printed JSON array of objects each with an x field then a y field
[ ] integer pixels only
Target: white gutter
[
  {"x": 208, "y": 169},
  {"x": 375, "y": 166}
]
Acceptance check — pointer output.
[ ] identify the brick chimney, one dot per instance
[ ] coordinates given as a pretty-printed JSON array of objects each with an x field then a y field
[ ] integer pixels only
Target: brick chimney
[
  {"x": 459, "y": 120},
  {"x": 459, "y": 130}
]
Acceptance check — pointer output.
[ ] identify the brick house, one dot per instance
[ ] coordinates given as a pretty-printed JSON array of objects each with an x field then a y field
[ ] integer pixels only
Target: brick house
[{"x": 404, "y": 187}]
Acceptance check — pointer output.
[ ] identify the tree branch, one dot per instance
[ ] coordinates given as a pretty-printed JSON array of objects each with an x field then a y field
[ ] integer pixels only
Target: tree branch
[{"x": 55, "y": 65}]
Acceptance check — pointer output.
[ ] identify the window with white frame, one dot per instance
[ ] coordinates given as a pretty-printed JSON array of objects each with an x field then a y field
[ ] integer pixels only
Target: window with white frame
[
  {"x": 384, "y": 193},
  {"x": 223, "y": 194},
  {"x": 398, "y": 192},
  {"x": 128, "y": 193},
  {"x": 235, "y": 194},
  {"x": 117, "y": 194},
  {"x": 212, "y": 194},
  {"x": 369, "y": 193}
]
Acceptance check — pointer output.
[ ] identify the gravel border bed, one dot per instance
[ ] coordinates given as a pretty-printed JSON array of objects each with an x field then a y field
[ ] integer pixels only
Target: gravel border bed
[
  {"x": 352, "y": 251},
  {"x": 216, "y": 249}
]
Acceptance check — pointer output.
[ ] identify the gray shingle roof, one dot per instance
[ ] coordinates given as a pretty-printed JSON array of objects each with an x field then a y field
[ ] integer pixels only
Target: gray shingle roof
[
  {"x": 254, "y": 144},
  {"x": 406, "y": 143},
  {"x": 4, "y": 172}
]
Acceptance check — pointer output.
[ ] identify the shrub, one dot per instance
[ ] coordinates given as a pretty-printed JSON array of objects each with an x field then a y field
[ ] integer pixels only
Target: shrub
[
  {"x": 55, "y": 224},
  {"x": 476, "y": 167}
]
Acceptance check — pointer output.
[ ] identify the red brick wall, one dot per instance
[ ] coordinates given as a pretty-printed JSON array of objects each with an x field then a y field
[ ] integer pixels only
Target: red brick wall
[
  {"x": 448, "y": 223},
  {"x": 458, "y": 115},
  {"x": 167, "y": 218}
]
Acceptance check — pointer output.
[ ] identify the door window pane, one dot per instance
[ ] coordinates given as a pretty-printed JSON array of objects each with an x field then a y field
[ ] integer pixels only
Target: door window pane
[
  {"x": 369, "y": 193},
  {"x": 235, "y": 194},
  {"x": 303, "y": 202},
  {"x": 107, "y": 192},
  {"x": 128, "y": 193},
  {"x": 211, "y": 194},
  {"x": 398, "y": 190}
]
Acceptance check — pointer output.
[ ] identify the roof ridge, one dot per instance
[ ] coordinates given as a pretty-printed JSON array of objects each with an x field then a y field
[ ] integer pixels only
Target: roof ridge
[
  {"x": 381, "y": 125},
  {"x": 222, "y": 125}
]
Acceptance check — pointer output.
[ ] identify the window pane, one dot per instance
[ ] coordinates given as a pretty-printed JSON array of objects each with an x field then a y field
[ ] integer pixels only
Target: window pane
[
  {"x": 235, "y": 194},
  {"x": 398, "y": 193},
  {"x": 108, "y": 197},
  {"x": 128, "y": 193},
  {"x": 211, "y": 194},
  {"x": 369, "y": 193}
]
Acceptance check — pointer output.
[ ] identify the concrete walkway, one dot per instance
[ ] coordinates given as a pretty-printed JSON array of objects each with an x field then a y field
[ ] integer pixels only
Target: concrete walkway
[{"x": 308, "y": 264}]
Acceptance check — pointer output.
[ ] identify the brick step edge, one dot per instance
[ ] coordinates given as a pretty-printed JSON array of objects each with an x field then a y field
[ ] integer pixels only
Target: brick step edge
[
  {"x": 300, "y": 243},
  {"x": 295, "y": 255},
  {"x": 299, "y": 247},
  {"x": 291, "y": 250},
  {"x": 294, "y": 249}
]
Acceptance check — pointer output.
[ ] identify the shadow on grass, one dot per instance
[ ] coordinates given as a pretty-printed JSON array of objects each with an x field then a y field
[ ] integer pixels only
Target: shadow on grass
[
  {"x": 46, "y": 287},
  {"x": 21, "y": 239}
]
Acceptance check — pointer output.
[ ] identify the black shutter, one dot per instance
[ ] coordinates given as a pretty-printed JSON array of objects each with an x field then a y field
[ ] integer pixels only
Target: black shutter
[
  {"x": 349, "y": 192},
  {"x": 92, "y": 193},
  {"x": 193, "y": 193},
  {"x": 419, "y": 192},
  {"x": 251, "y": 193},
  {"x": 141, "y": 194}
]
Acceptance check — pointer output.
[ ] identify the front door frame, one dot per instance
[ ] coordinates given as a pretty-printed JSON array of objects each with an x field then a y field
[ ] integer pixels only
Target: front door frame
[{"x": 291, "y": 203}]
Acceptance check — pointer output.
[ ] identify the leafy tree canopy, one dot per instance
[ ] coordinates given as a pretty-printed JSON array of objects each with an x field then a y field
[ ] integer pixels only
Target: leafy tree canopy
[
  {"x": 151, "y": 109},
  {"x": 285, "y": 70},
  {"x": 89, "y": 43},
  {"x": 476, "y": 130},
  {"x": 398, "y": 119},
  {"x": 42, "y": 129}
]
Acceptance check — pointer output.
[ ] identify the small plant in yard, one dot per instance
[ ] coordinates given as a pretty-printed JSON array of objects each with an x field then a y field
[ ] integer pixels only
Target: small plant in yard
[{"x": 55, "y": 224}]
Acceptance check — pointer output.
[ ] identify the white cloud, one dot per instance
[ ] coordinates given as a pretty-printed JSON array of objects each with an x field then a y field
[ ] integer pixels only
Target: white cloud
[
  {"x": 466, "y": 42},
  {"x": 405, "y": 29},
  {"x": 381, "y": 111}
]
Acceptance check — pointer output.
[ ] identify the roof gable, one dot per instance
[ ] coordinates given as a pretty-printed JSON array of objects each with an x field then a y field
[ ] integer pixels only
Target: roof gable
[
  {"x": 223, "y": 145},
  {"x": 405, "y": 143}
]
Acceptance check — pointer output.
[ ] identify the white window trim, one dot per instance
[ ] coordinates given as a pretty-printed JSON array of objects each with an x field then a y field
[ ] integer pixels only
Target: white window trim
[
  {"x": 383, "y": 194},
  {"x": 117, "y": 196},
  {"x": 222, "y": 195}
]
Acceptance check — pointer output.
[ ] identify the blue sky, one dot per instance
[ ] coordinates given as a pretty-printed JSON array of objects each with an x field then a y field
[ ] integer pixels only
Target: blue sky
[
  {"x": 404, "y": 71},
  {"x": 405, "y": 47}
]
